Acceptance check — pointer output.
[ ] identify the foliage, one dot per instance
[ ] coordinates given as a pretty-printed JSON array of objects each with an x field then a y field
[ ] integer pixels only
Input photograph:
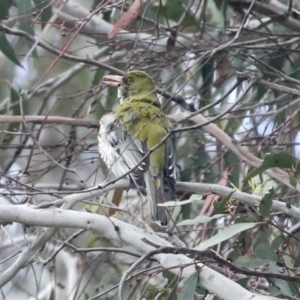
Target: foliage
[{"x": 227, "y": 74}]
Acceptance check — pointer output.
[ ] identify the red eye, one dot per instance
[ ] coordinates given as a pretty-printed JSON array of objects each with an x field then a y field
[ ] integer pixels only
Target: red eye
[{"x": 129, "y": 80}]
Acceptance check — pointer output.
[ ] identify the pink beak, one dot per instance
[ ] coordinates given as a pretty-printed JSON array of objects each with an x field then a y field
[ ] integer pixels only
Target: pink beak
[{"x": 114, "y": 80}]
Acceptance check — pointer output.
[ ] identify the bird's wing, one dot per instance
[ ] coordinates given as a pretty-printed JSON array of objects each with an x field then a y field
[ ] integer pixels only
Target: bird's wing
[
  {"x": 132, "y": 151},
  {"x": 170, "y": 168},
  {"x": 161, "y": 186}
]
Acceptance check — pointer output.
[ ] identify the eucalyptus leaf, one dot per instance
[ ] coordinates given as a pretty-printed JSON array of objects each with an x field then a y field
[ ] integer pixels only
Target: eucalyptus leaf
[
  {"x": 221, "y": 206},
  {"x": 276, "y": 243},
  {"x": 189, "y": 288},
  {"x": 46, "y": 10},
  {"x": 25, "y": 11},
  {"x": 201, "y": 219},
  {"x": 225, "y": 234},
  {"x": 15, "y": 110},
  {"x": 265, "y": 251},
  {"x": 265, "y": 204},
  {"x": 179, "y": 203},
  {"x": 4, "y": 11},
  {"x": 7, "y": 49},
  {"x": 169, "y": 276},
  {"x": 283, "y": 286},
  {"x": 281, "y": 160},
  {"x": 173, "y": 294},
  {"x": 250, "y": 260},
  {"x": 243, "y": 282}
]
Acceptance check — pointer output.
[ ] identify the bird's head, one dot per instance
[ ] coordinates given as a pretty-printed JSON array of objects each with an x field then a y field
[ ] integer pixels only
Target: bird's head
[{"x": 133, "y": 86}]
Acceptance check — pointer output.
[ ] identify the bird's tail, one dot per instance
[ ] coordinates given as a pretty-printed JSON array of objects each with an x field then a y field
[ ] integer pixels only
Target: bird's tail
[{"x": 156, "y": 194}]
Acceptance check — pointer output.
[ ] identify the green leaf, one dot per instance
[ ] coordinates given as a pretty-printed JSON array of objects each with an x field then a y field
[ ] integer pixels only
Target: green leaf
[
  {"x": 297, "y": 263},
  {"x": 225, "y": 234},
  {"x": 261, "y": 91},
  {"x": 281, "y": 160},
  {"x": 201, "y": 219},
  {"x": 274, "y": 268},
  {"x": 276, "y": 243},
  {"x": 99, "y": 74},
  {"x": 219, "y": 3},
  {"x": 173, "y": 9},
  {"x": 276, "y": 60},
  {"x": 221, "y": 206},
  {"x": 283, "y": 287},
  {"x": 265, "y": 204},
  {"x": 207, "y": 71},
  {"x": 189, "y": 288},
  {"x": 232, "y": 160},
  {"x": 274, "y": 291},
  {"x": 8, "y": 50},
  {"x": 250, "y": 260},
  {"x": 288, "y": 260},
  {"x": 179, "y": 203},
  {"x": 233, "y": 255},
  {"x": 294, "y": 287},
  {"x": 293, "y": 180},
  {"x": 46, "y": 10},
  {"x": 25, "y": 11},
  {"x": 262, "y": 235},
  {"x": 266, "y": 252},
  {"x": 173, "y": 294},
  {"x": 186, "y": 211},
  {"x": 243, "y": 282},
  {"x": 15, "y": 110},
  {"x": 169, "y": 276},
  {"x": 294, "y": 69},
  {"x": 4, "y": 11}
]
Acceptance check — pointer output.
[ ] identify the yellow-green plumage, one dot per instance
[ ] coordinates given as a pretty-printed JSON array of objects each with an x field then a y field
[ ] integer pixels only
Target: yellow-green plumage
[
  {"x": 145, "y": 125},
  {"x": 148, "y": 123}
]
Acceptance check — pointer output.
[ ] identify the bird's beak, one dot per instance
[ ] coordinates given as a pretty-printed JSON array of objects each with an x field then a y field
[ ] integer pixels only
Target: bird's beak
[{"x": 114, "y": 80}]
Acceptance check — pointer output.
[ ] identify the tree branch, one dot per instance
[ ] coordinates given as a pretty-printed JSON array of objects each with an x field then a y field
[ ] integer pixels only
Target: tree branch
[
  {"x": 277, "y": 11},
  {"x": 114, "y": 229}
]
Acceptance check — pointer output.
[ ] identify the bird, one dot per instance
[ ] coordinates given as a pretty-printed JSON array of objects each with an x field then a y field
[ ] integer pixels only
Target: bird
[
  {"x": 137, "y": 126},
  {"x": 113, "y": 145}
]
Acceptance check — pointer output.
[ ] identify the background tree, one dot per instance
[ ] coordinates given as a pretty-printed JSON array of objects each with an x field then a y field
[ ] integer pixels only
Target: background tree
[{"x": 227, "y": 73}]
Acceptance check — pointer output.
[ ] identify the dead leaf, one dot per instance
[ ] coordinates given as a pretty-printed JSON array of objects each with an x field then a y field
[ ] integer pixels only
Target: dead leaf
[
  {"x": 208, "y": 206},
  {"x": 117, "y": 197},
  {"x": 126, "y": 19}
]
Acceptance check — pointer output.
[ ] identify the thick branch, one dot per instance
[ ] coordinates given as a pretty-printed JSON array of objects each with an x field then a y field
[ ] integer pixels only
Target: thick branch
[
  {"x": 49, "y": 120},
  {"x": 275, "y": 10},
  {"x": 114, "y": 229}
]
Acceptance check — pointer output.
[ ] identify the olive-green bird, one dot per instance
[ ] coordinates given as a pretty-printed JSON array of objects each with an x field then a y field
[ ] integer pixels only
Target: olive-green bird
[{"x": 126, "y": 136}]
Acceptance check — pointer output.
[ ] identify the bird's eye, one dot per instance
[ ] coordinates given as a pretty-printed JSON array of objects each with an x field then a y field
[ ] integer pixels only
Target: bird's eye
[{"x": 129, "y": 80}]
